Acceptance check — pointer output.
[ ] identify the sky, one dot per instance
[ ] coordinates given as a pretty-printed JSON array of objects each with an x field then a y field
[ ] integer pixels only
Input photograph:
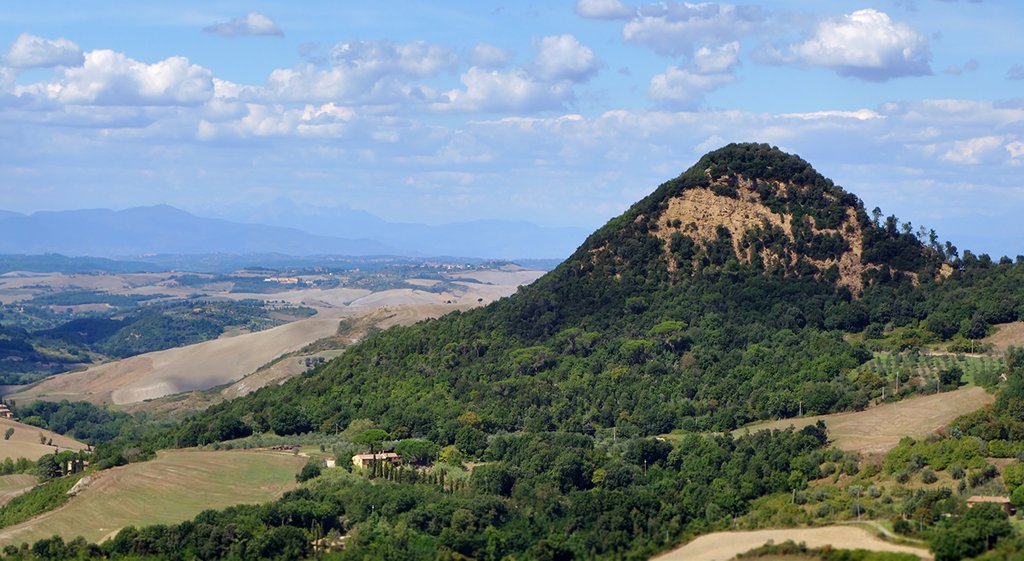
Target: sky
[{"x": 560, "y": 113}]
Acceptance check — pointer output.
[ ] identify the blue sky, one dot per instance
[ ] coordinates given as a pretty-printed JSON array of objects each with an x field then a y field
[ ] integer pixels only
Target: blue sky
[{"x": 561, "y": 113}]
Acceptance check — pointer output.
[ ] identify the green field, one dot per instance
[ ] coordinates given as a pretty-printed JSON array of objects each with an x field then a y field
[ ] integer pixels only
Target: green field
[
  {"x": 13, "y": 485},
  {"x": 176, "y": 486}
]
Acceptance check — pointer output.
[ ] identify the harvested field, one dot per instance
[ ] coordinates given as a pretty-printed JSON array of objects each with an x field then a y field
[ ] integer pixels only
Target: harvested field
[
  {"x": 13, "y": 485},
  {"x": 879, "y": 429},
  {"x": 200, "y": 366},
  {"x": 722, "y": 546},
  {"x": 1007, "y": 335},
  {"x": 175, "y": 486},
  {"x": 24, "y": 442}
]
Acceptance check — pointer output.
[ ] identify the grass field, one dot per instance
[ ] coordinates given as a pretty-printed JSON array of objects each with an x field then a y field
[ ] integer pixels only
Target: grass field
[
  {"x": 176, "y": 486},
  {"x": 722, "y": 546},
  {"x": 879, "y": 429},
  {"x": 13, "y": 485},
  {"x": 24, "y": 442}
]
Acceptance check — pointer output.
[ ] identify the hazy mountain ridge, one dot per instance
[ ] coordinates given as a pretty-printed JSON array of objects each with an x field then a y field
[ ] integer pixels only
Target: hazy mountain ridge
[{"x": 162, "y": 229}]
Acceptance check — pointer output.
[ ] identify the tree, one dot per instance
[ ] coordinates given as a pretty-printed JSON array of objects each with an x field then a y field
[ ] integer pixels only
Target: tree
[
  {"x": 417, "y": 451},
  {"x": 8, "y": 433}
]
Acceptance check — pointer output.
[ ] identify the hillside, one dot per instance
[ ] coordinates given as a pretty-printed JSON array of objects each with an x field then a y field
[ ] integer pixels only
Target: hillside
[
  {"x": 32, "y": 442},
  {"x": 719, "y": 299},
  {"x": 747, "y": 288}
]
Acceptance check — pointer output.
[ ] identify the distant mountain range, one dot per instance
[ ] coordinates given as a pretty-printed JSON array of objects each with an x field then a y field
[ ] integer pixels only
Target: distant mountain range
[{"x": 164, "y": 229}]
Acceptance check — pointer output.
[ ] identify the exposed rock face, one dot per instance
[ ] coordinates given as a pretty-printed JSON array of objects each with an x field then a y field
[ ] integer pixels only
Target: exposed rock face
[{"x": 700, "y": 213}]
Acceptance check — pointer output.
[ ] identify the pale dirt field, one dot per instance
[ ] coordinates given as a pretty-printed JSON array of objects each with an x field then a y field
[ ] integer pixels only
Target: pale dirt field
[
  {"x": 1007, "y": 335},
  {"x": 879, "y": 429},
  {"x": 174, "y": 487},
  {"x": 722, "y": 546},
  {"x": 24, "y": 443},
  {"x": 229, "y": 360},
  {"x": 200, "y": 366},
  {"x": 13, "y": 485},
  {"x": 510, "y": 276}
]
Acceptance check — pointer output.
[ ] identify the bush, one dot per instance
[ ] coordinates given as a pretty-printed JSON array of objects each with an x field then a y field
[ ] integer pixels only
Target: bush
[
  {"x": 928, "y": 477},
  {"x": 309, "y": 471}
]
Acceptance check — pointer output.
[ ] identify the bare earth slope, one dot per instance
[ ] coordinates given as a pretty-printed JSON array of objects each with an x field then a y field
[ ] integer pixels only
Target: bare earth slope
[
  {"x": 24, "y": 442},
  {"x": 879, "y": 429},
  {"x": 176, "y": 486},
  {"x": 722, "y": 546},
  {"x": 200, "y": 366},
  {"x": 1007, "y": 335}
]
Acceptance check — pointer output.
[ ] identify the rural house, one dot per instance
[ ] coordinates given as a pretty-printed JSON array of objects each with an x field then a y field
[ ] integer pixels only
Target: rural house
[
  {"x": 1001, "y": 501},
  {"x": 367, "y": 460},
  {"x": 5, "y": 412}
]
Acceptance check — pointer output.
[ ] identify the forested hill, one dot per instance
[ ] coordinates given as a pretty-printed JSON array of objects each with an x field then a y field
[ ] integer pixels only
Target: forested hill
[{"x": 723, "y": 297}]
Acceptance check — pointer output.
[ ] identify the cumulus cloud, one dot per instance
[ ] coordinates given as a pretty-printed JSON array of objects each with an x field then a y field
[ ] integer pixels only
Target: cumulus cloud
[
  {"x": 111, "y": 78},
  {"x": 253, "y": 23},
  {"x": 719, "y": 59},
  {"x": 485, "y": 55},
  {"x": 672, "y": 28},
  {"x": 545, "y": 83},
  {"x": 516, "y": 90},
  {"x": 562, "y": 57},
  {"x": 1016, "y": 72},
  {"x": 360, "y": 71},
  {"x": 975, "y": 150},
  {"x": 603, "y": 9},
  {"x": 681, "y": 88},
  {"x": 30, "y": 51},
  {"x": 866, "y": 44}
]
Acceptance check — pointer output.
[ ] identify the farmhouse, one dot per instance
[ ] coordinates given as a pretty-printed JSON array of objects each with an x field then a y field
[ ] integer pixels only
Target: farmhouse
[
  {"x": 367, "y": 460},
  {"x": 1001, "y": 501},
  {"x": 5, "y": 412}
]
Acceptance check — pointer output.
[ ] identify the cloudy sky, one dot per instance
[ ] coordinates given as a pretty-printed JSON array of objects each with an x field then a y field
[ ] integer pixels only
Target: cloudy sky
[{"x": 561, "y": 113}]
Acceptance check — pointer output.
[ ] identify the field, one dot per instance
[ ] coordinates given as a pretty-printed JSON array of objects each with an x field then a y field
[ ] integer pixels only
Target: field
[
  {"x": 24, "y": 442},
  {"x": 1007, "y": 335},
  {"x": 879, "y": 429},
  {"x": 228, "y": 360},
  {"x": 928, "y": 366},
  {"x": 176, "y": 486},
  {"x": 13, "y": 485},
  {"x": 722, "y": 546}
]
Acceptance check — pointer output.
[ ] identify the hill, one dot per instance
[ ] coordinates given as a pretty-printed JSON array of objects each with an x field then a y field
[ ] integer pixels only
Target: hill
[
  {"x": 176, "y": 486},
  {"x": 719, "y": 299},
  {"x": 32, "y": 442},
  {"x": 749, "y": 287},
  {"x": 162, "y": 229}
]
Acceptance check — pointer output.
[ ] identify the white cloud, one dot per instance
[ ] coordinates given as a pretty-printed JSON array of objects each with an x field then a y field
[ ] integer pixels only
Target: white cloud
[
  {"x": 1015, "y": 148},
  {"x": 327, "y": 120},
  {"x": 681, "y": 88},
  {"x": 672, "y": 28},
  {"x": 867, "y": 45},
  {"x": 111, "y": 78},
  {"x": 485, "y": 55},
  {"x": 515, "y": 90},
  {"x": 360, "y": 71},
  {"x": 253, "y": 23},
  {"x": 974, "y": 150},
  {"x": 603, "y": 9},
  {"x": 29, "y": 51},
  {"x": 720, "y": 59},
  {"x": 562, "y": 57}
]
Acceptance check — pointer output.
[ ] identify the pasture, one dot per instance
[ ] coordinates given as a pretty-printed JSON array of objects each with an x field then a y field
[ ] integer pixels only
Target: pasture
[
  {"x": 174, "y": 487},
  {"x": 879, "y": 429}
]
